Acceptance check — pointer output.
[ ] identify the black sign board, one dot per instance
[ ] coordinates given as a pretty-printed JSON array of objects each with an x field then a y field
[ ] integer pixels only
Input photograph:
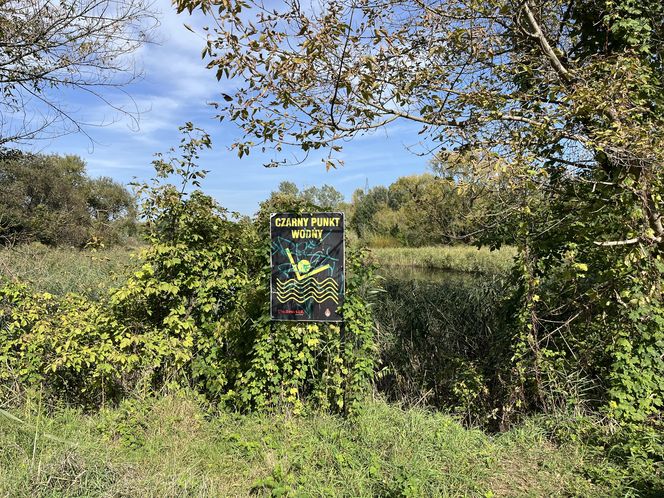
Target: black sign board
[{"x": 307, "y": 282}]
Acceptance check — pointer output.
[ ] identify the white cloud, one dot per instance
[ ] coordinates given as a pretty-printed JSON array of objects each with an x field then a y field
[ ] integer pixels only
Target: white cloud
[{"x": 175, "y": 88}]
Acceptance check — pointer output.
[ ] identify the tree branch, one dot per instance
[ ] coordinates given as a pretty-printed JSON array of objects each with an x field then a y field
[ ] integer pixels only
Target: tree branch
[{"x": 537, "y": 33}]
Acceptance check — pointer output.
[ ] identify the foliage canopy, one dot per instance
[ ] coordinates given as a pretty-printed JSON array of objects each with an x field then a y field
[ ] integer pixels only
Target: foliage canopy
[
  {"x": 51, "y": 199},
  {"x": 567, "y": 96}
]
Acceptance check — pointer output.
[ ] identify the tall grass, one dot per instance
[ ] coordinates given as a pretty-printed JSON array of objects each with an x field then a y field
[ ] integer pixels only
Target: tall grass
[
  {"x": 170, "y": 447},
  {"x": 62, "y": 270},
  {"x": 453, "y": 258},
  {"x": 443, "y": 343}
]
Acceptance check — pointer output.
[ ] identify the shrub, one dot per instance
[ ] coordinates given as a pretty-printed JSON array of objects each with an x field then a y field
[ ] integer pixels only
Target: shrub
[
  {"x": 195, "y": 313},
  {"x": 69, "y": 344}
]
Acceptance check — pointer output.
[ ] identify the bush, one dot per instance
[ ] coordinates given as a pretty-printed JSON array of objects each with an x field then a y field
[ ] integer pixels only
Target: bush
[
  {"x": 51, "y": 199},
  {"x": 629, "y": 457},
  {"x": 70, "y": 345},
  {"x": 195, "y": 313}
]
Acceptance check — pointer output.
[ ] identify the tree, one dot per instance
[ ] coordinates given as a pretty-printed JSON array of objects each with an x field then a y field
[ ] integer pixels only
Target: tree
[
  {"x": 288, "y": 188},
  {"x": 449, "y": 207},
  {"x": 86, "y": 45},
  {"x": 540, "y": 83},
  {"x": 325, "y": 197},
  {"x": 480, "y": 196},
  {"x": 52, "y": 200},
  {"x": 365, "y": 207},
  {"x": 112, "y": 209},
  {"x": 568, "y": 94}
]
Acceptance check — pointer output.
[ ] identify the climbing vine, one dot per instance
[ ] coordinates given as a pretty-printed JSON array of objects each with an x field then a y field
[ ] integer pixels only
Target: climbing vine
[{"x": 195, "y": 313}]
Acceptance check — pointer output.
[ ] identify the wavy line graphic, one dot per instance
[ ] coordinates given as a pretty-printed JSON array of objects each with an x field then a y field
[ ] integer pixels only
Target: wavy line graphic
[
  {"x": 302, "y": 301},
  {"x": 319, "y": 298},
  {"x": 299, "y": 295},
  {"x": 312, "y": 289},
  {"x": 308, "y": 288},
  {"x": 291, "y": 284}
]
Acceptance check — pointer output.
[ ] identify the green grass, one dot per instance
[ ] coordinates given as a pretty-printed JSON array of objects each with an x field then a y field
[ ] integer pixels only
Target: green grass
[
  {"x": 171, "y": 447},
  {"x": 452, "y": 258},
  {"x": 62, "y": 270}
]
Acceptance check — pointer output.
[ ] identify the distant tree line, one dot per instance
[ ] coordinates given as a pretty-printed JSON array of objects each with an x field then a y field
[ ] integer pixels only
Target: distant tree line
[
  {"x": 451, "y": 204},
  {"x": 52, "y": 200}
]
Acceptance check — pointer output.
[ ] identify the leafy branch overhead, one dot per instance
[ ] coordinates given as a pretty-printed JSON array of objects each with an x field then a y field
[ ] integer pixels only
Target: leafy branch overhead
[
  {"x": 85, "y": 45},
  {"x": 519, "y": 77},
  {"x": 557, "y": 109}
]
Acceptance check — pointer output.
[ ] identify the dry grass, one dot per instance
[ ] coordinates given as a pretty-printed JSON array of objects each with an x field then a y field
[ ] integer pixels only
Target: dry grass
[{"x": 62, "y": 270}]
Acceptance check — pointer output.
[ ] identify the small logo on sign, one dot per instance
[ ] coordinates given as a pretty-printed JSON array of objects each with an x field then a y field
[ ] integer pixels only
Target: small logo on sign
[{"x": 327, "y": 312}]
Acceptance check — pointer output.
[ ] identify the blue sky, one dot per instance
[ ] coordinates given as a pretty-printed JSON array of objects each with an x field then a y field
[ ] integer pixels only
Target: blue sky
[{"x": 176, "y": 88}]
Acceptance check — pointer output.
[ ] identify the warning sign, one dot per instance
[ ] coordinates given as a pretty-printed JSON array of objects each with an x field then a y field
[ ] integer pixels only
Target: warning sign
[{"x": 307, "y": 282}]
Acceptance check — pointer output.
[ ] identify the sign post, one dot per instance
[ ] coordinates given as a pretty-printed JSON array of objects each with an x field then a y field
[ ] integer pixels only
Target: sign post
[{"x": 307, "y": 260}]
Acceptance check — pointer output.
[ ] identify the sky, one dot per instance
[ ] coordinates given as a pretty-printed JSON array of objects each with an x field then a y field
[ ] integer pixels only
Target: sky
[{"x": 176, "y": 88}]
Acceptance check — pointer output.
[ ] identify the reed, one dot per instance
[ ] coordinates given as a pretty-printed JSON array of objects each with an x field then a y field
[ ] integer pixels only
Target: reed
[
  {"x": 66, "y": 269},
  {"x": 452, "y": 258}
]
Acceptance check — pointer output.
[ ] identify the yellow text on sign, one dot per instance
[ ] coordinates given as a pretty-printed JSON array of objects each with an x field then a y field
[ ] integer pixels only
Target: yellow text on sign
[{"x": 316, "y": 222}]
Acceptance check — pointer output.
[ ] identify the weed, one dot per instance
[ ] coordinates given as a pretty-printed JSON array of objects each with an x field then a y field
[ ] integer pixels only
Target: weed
[{"x": 62, "y": 270}]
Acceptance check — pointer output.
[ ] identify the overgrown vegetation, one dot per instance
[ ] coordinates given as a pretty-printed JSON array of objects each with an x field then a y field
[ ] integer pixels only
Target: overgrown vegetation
[
  {"x": 171, "y": 446},
  {"x": 445, "y": 341},
  {"x": 59, "y": 270},
  {"x": 443, "y": 344},
  {"x": 547, "y": 123},
  {"x": 195, "y": 313},
  {"x": 557, "y": 104}
]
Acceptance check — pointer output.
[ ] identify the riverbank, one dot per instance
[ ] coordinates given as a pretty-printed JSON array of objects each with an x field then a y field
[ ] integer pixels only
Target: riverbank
[{"x": 449, "y": 258}]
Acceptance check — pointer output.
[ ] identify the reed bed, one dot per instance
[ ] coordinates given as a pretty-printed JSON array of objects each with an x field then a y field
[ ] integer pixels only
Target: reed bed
[{"x": 451, "y": 258}]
